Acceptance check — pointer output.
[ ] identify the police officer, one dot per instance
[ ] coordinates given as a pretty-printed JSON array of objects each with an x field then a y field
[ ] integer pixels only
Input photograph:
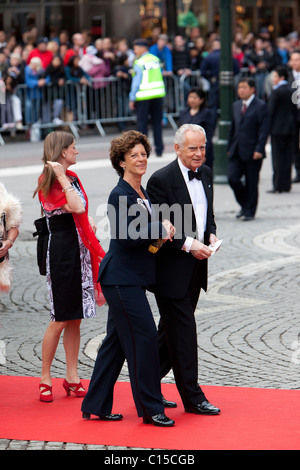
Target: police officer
[{"x": 147, "y": 92}]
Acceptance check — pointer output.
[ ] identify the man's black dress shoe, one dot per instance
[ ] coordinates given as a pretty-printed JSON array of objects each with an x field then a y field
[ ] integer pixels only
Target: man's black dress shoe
[
  {"x": 240, "y": 214},
  {"x": 159, "y": 420},
  {"x": 168, "y": 404},
  {"x": 204, "y": 408},
  {"x": 247, "y": 218},
  {"x": 110, "y": 417}
]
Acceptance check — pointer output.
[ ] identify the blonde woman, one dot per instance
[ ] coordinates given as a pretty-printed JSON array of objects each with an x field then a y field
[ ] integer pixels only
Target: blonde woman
[{"x": 34, "y": 82}]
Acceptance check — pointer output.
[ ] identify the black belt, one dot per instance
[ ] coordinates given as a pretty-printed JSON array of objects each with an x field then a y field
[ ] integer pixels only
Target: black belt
[{"x": 60, "y": 223}]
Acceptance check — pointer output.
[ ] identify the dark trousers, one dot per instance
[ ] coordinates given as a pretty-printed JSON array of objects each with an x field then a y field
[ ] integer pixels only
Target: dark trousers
[
  {"x": 153, "y": 108},
  {"x": 177, "y": 338},
  {"x": 282, "y": 155},
  {"x": 246, "y": 192},
  {"x": 131, "y": 334},
  {"x": 296, "y": 150}
]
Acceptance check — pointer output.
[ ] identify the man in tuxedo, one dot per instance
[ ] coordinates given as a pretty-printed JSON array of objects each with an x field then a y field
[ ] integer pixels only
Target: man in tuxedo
[
  {"x": 185, "y": 186},
  {"x": 294, "y": 82},
  {"x": 246, "y": 147},
  {"x": 283, "y": 116}
]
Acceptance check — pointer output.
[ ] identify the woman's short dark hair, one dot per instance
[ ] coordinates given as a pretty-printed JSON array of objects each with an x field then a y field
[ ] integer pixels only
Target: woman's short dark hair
[
  {"x": 199, "y": 91},
  {"x": 124, "y": 143},
  {"x": 201, "y": 94}
]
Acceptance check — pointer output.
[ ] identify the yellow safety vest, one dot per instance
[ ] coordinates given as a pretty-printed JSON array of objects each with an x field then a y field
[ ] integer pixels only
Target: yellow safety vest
[{"x": 152, "y": 85}]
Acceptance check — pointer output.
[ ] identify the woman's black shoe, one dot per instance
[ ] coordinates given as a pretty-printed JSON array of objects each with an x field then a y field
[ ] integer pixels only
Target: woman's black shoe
[
  {"x": 158, "y": 420},
  {"x": 167, "y": 403},
  {"x": 110, "y": 417}
]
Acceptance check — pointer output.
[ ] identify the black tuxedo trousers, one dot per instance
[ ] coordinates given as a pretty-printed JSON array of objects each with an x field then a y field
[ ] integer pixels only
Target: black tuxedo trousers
[{"x": 177, "y": 341}]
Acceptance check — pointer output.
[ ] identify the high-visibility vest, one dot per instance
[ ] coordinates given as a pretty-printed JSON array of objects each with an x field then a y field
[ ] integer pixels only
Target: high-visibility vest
[{"x": 152, "y": 84}]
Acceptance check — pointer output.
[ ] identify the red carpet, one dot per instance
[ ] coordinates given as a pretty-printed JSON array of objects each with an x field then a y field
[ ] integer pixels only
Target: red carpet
[{"x": 250, "y": 419}]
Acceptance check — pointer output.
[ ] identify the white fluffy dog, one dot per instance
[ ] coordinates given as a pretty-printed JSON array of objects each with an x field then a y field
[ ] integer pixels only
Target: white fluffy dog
[{"x": 11, "y": 207}]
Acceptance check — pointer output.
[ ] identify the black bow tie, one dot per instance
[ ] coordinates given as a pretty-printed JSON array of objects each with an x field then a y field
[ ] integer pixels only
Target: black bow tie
[{"x": 194, "y": 174}]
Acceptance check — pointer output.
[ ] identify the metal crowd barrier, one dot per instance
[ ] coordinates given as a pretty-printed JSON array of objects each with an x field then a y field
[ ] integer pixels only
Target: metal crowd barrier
[
  {"x": 103, "y": 101},
  {"x": 51, "y": 106},
  {"x": 106, "y": 101}
]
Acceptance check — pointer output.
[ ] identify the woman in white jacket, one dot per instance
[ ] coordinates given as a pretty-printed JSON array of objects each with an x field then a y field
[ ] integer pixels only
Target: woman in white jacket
[{"x": 10, "y": 220}]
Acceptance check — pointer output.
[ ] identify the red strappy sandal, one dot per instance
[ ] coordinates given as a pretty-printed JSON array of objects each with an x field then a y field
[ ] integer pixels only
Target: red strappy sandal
[
  {"x": 74, "y": 388},
  {"x": 43, "y": 389}
]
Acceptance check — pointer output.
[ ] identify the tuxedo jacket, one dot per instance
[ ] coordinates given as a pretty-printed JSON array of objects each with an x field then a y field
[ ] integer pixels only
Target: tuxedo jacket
[
  {"x": 174, "y": 266},
  {"x": 128, "y": 260},
  {"x": 283, "y": 112},
  {"x": 249, "y": 132}
]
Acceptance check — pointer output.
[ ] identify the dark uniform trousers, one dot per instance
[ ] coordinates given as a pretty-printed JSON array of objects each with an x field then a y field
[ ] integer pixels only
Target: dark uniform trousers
[{"x": 152, "y": 107}]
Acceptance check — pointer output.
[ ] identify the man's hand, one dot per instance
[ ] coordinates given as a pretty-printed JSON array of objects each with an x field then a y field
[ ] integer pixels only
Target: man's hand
[
  {"x": 132, "y": 105},
  {"x": 199, "y": 250},
  {"x": 257, "y": 155},
  {"x": 213, "y": 239},
  {"x": 170, "y": 229}
]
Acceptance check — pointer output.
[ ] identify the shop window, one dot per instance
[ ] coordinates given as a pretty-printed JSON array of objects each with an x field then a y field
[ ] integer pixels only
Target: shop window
[
  {"x": 153, "y": 16},
  {"x": 285, "y": 18},
  {"x": 62, "y": 17}
]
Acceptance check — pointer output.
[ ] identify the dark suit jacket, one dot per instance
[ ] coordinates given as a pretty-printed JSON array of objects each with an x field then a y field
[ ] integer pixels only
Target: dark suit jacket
[
  {"x": 174, "y": 267},
  {"x": 283, "y": 112},
  {"x": 128, "y": 261},
  {"x": 249, "y": 133},
  {"x": 210, "y": 66}
]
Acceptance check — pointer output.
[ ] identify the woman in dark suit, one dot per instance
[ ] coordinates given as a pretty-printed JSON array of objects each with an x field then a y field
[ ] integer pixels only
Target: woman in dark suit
[
  {"x": 127, "y": 269},
  {"x": 198, "y": 113}
]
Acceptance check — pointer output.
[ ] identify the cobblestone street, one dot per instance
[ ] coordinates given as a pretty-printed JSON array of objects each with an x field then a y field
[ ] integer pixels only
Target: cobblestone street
[{"x": 248, "y": 322}]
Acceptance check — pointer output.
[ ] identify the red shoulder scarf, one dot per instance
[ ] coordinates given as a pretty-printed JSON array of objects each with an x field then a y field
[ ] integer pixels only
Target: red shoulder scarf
[{"x": 56, "y": 199}]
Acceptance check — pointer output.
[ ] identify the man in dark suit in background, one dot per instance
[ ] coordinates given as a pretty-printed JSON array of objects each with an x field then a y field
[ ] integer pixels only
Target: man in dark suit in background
[
  {"x": 181, "y": 266},
  {"x": 246, "y": 147},
  {"x": 294, "y": 82},
  {"x": 283, "y": 116}
]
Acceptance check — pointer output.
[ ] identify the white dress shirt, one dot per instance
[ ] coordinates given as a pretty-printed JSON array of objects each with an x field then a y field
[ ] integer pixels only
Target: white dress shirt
[
  {"x": 296, "y": 76},
  {"x": 199, "y": 201},
  {"x": 248, "y": 101}
]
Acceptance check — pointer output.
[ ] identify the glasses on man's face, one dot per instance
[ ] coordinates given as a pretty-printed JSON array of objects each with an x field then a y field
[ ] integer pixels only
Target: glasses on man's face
[{"x": 194, "y": 149}]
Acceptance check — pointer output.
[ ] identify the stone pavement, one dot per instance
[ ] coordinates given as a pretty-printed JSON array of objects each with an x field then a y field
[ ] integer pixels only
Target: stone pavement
[{"x": 248, "y": 322}]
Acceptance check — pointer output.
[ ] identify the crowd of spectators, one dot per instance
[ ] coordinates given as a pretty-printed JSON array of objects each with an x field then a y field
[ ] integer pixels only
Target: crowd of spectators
[{"x": 37, "y": 61}]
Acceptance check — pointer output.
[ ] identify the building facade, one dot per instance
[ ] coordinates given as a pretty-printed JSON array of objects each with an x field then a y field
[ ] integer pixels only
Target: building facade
[{"x": 133, "y": 18}]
